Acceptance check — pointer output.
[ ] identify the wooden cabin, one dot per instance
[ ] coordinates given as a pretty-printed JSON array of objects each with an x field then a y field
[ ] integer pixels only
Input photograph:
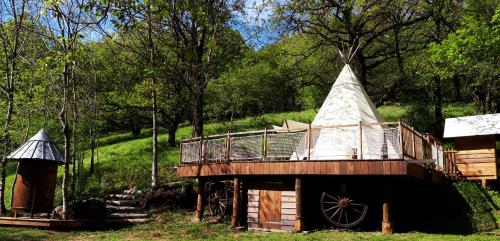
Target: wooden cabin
[
  {"x": 346, "y": 160},
  {"x": 474, "y": 139}
]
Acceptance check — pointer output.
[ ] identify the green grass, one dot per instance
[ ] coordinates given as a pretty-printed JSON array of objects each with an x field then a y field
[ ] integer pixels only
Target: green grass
[{"x": 179, "y": 226}]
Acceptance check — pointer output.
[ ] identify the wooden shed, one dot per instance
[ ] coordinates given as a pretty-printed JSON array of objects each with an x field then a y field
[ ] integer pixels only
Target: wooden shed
[
  {"x": 35, "y": 181},
  {"x": 474, "y": 138}
]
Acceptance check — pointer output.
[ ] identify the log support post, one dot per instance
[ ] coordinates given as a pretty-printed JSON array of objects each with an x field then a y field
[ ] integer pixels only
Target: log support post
[
  {"x": 387, "y": 227},
  {"x": 236, "y": 203},
  {"x": 199, "y": 201},
  {"x": 483, "y": 183},
  {"x": 299, "y": 223}
]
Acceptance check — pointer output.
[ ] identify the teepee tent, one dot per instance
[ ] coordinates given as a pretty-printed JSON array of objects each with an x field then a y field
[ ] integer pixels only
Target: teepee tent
[{"x": 348, "y": 104}]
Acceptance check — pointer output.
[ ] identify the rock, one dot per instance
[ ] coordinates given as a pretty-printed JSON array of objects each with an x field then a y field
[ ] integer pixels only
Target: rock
[
  {"x": 93, "y": 208},
  {"x": 57, "y": 212}
]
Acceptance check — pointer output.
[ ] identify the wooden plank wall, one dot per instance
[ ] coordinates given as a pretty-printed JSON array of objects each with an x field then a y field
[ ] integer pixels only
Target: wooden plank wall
[
  {"x": 342, "y": 167},
  {"x": 476, "y": 157},
  {"x": 253, "y": 208},
  {"x": 288, "y": 210}
]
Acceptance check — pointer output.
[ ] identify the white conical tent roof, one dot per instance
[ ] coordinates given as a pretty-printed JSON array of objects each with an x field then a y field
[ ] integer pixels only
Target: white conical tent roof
[
  {"x": 38, "y": 147},
  {"x": 348, "y": 104}
]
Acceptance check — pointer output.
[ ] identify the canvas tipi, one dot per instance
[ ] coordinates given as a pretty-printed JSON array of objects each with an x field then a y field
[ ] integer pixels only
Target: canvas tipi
[{"x": 347, "y": 104}]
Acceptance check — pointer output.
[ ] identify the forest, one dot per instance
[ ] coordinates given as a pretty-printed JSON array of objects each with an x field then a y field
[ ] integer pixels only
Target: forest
[{"x": 82, "y": 69}]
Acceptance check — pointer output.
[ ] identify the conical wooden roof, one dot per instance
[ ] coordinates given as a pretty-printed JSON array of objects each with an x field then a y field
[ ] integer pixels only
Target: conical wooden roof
[{"x": 38, "y": 147}]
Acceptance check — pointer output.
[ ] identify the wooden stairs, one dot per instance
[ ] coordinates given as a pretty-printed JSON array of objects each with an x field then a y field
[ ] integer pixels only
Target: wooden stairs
[{"x": 125, "y": 208}]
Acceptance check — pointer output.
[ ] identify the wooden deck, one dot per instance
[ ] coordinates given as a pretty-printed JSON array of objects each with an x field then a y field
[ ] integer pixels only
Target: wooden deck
[
  {"x": 45, "y": 223},
  {"x": 338, "y": 167},
  {"x": 392, "y": 148}
]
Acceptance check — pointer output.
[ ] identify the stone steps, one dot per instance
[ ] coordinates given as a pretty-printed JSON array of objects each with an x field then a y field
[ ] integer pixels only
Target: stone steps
[
  {"x": 124, "y": 208},
  {"x": 122, "y": 202},
  {"x": 127, "y": 221}
]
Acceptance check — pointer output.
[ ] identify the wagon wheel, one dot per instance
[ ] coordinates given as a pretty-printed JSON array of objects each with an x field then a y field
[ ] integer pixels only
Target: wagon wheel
[
  {"x": 218, "y": 200},
  {"x": 342, "y": 211}
]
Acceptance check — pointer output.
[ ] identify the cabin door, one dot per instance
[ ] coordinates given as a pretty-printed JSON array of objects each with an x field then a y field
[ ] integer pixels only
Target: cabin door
[{"x": 270, "y": 209}]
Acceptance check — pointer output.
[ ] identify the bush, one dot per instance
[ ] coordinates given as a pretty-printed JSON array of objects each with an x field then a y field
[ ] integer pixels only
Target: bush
[{"x": 479, "y": 204}]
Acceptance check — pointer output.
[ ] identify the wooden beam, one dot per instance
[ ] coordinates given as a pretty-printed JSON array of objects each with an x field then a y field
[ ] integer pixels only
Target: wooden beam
[
  {"x": 236, "y": 203},
  {"x": 309, "y": 144},
  {"x": 386, "y": 222},
  {"x": 199, "y": 201},
  {"x": 360, "y": 140},
  {"x": 299, "y": 223}
]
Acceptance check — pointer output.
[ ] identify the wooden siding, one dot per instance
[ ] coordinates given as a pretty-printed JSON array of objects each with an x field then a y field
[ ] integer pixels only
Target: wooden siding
[
  {"x": 344, "y": 167},
  {"x": 288, "y": 210},
  {"x": 253, "y": 208},
  {"x": 476, "y": 157}
]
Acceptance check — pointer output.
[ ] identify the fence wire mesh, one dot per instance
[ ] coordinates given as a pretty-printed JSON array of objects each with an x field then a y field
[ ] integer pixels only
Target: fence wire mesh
[
  {"x": 215, "y": 150},
  {"x": 380, "y": 143},
  {"x": 190, "y": 152},
  {"x": 287, "y": 146},
  {"x": 246, "y": 147}
]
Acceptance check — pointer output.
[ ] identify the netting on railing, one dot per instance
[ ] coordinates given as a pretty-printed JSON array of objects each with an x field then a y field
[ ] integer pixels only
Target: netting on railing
[
  {"x": 246, "y": 147},
  {"x": 438, "y": 155},
  {"x": 335, "y": 143},
  {"x": 380, "y": 143},
  {"x": 287, "y": 146},
  {"x": 190, "y": 152},
  {"x": 215, "y": 149}
]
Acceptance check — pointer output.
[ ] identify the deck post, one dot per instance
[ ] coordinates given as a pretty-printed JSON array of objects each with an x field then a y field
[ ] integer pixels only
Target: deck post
[
  {"x": 309, "y": 140},
  {"x": 180, "y": 152},
  {"x": 360, "y": 126},
  {"x": 299, "y": 225},
  {"x": 401, "y": 145},
  {"x": 236, "y": 203},
  {"x": 386, "y": 221},
  {"x": 413, "y": 151},
  {"x": 199, "y": 201},
  {"x": 264, "y": 155},
  {"x": 201, "y": 149},
  {"x": 228, "y": 146}
]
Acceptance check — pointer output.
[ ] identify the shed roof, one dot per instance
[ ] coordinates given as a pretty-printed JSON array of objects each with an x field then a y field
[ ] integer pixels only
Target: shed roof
[
  {"x": 478, "y": 125},
  {"x": 38, "y": 147}
]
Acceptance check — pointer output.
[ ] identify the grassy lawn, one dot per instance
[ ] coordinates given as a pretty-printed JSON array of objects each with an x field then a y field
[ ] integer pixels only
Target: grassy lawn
[{"x": 179, "y": 226}]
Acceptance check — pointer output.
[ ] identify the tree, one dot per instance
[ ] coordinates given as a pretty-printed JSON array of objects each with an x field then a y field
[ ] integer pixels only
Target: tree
[
  {"x": 13, "y": 38},
  {"x": 197, "y": 28},
  {"x": 64, "y": 22}
]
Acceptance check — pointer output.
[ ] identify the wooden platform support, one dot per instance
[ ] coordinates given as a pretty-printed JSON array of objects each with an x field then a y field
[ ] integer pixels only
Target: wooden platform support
[
  {"x": 299, "y": 223},
  {"x": 236, "y": 203},
  {"x": 386, "y": 221},
  {"x": 199, "y": 201}
]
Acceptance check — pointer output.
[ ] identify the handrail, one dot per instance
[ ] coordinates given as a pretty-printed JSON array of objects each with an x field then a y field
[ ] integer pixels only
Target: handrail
[{"x": 261, "y": 145}]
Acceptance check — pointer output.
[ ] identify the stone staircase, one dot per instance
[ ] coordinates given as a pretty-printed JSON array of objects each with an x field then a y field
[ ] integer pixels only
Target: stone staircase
[{"x": 125, "y": 208}]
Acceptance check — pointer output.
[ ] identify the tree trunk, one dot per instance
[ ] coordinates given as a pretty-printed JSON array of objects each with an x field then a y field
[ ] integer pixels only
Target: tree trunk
[
  {"x": 456, "y": 87},
  {"x": 438, "y": 114},
  {"x": 172, "y": 129},
  {"x": 152, "y": 65},
  {"x": 92, "y": 151},
  {"x": 66, "y": 132},
  {"x": 198, "y": 112},
  {"x": 6, "y": 147}
]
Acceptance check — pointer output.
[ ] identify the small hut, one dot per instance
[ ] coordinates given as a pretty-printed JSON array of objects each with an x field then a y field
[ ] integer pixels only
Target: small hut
[
  {"x": 35, "y": 182},
  {"x": 474, "y": 138}
]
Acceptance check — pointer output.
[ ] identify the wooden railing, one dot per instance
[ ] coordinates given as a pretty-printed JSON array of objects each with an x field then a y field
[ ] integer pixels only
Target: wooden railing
[
  {"x": 451, "y": 168},
  {"x": 399, "y": 140}
]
